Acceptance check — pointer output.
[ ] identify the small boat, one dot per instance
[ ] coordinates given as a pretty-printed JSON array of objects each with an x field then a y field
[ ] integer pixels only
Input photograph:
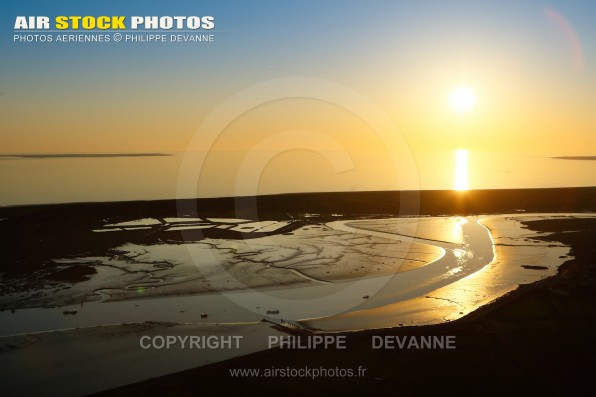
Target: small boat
[
  {"x": 272, "y": 311},
  {"x": 204, "y": 315},
  {"x": 365, "y": 297},
  {"x": 69, "y": 311}
]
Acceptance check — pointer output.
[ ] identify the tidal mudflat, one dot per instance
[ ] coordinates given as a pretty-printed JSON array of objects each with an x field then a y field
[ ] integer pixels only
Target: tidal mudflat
[{"x": 346, "y": 274}]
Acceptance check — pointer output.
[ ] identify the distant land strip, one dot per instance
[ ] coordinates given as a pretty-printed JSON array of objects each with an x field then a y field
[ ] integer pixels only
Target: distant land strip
[
  {"x": 575, "y": 158},
  {"x": 80, "y": 155}
]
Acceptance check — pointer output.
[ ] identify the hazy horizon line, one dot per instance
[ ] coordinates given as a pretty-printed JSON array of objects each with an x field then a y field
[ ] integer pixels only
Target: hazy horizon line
[{"x": 81, "y": 155}]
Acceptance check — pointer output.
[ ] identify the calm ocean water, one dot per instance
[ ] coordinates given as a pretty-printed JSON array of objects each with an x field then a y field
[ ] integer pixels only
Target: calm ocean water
[{"x": 92, "y": 179}]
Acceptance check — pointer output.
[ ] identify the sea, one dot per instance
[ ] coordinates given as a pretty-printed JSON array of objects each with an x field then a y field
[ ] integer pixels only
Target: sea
[{"x": 73, "y": 177}]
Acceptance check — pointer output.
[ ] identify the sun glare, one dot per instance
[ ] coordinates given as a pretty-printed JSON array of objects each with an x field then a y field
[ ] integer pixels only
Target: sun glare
[
  {"x": 462, "y": 99},
  {"x": 461, "y": 170}
]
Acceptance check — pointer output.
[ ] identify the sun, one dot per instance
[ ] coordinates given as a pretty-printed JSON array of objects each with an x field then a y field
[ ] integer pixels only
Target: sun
[{"x": 462, "y": 99}]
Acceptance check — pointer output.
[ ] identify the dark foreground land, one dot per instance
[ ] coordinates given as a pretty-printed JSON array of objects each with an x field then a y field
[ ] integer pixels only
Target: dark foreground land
[{"x": 540, "y": 339}]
